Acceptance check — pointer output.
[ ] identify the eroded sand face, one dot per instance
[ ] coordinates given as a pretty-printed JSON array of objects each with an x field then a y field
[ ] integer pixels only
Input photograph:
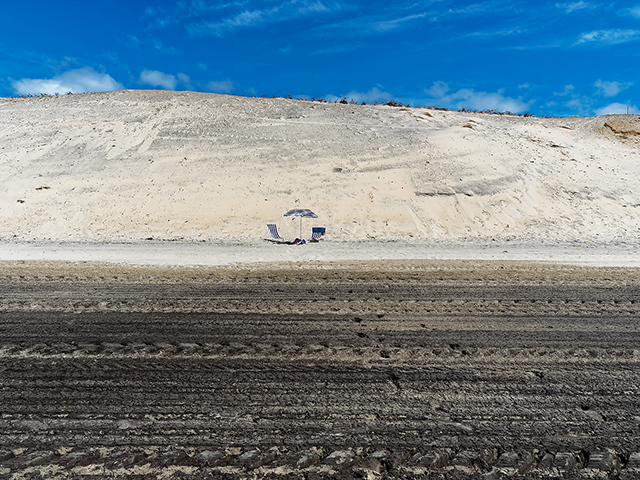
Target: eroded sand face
[{"x": 122, "y": 166}]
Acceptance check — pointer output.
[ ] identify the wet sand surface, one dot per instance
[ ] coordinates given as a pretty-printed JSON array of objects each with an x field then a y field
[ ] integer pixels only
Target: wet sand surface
[{"x": 392, "y": 369}]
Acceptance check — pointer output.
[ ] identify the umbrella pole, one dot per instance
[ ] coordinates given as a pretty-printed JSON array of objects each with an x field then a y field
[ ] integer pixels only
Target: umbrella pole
[{"x": 300, "y": 237}]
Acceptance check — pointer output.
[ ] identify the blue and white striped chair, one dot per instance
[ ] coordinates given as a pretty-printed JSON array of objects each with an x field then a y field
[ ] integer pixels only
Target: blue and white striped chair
[
  {"x": 317, "y": 233},
  {"x": 273, "y": 230}
]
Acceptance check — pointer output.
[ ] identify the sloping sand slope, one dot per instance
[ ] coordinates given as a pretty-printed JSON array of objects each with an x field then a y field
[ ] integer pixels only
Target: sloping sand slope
[{"x": 129, "y": 165}]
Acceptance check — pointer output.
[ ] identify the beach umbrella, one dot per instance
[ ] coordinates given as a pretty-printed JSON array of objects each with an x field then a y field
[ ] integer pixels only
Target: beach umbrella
[{"x": 302, "y": 213}]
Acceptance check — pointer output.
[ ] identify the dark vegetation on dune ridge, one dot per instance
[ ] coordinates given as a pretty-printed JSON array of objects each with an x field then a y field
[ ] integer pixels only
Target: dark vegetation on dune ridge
[{"x": 344, "y": 101}]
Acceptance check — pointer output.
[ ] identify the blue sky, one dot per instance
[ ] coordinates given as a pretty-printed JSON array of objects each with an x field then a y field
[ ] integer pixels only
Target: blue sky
[{"x": 548, "y": 58}]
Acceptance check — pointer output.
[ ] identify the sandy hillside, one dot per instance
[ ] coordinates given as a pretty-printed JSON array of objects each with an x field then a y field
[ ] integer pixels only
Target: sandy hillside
[{"x": 129, "y": 165}]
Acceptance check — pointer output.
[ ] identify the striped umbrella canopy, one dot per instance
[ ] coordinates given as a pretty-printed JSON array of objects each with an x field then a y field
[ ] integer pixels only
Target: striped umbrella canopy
[{"x": 302, "y": 213}]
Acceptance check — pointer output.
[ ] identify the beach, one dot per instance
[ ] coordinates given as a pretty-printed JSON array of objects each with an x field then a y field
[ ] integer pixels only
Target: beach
[{"x": 471, "y": 313}]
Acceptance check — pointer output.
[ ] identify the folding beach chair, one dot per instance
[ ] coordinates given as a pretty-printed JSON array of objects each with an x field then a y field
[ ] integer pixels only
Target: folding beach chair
[
  {"x": 317, "y": 233},
  {"x": 273, "y": 230}
]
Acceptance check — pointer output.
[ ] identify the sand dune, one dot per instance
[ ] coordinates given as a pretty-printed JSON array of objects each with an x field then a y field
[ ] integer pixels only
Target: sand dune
[{"x": 129, "y": 165}]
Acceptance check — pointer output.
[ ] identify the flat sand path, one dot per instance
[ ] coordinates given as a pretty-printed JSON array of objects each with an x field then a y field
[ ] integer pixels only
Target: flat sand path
[
  {"x": 410, "y": 369},
  {"x": 263, "y": 252}
]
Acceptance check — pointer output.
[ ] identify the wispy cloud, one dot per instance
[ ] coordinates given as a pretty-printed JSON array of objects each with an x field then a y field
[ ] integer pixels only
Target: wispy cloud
[
  {"x": 75, "y": 81},
  {"x": 158, "y": 46},
  {"x": 611, "y": 89},
  {"x": 222, "y": 86},
  {"x": 162, "y": 17},
  {"x": 259, "y": 17},
  {"x": 609, "y": 37},
  {"x": 363, "y": 23},
  {"x": 134, "y": 41},
  {"x": 434, "y": 19},
  {"x": 166, "y": 15},
  {"x": 568, "y": 90},
  {"x": 480, "y": 8},
  {"x": 155, "y": 78},
  {"x": 12, "y": 55},
  {"x": 441, "y": 95},
  {"x": 155, "y": 44},
  {"x": 353, "y": 20},
  {"x": 575, "y": 6},
  {"x": 633, "y": 11},
  {"x": 184, "y": 80},
  {"x": 341, "y": 48},
  {"x": 382, "y": 26},
  {"x": 501, "y": 32}
]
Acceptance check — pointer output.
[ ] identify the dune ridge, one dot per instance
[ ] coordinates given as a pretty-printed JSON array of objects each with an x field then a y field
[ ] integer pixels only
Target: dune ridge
[{"x": 130, "y": 165}]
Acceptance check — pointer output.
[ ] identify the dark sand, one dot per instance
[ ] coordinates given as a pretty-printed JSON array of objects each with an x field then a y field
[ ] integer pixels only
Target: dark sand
[{"x": 409, "y": 369}]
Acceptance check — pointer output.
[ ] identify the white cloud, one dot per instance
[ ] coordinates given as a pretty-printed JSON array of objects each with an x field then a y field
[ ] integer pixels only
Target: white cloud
[
  {"x": 438, "y": 90},
  {"x": 158, "y": 45},
  {"x": 611, "y": 89},
  {"x": 184, "y": 80},
  {"x": 223, "y": 86},
  {"x": 75, "y": 81},
  {"x": 374, "y": 95},
  {"x": 580, "y": 104},
  {"x": 568, "y": 90},
  {"x": 614, "y": 108},
  {"x": 577, "y": 103},
  {"x": 155, "y": 78},
  {"x": 609, "y": 37},
  {"x": 471, "y": 99}
]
